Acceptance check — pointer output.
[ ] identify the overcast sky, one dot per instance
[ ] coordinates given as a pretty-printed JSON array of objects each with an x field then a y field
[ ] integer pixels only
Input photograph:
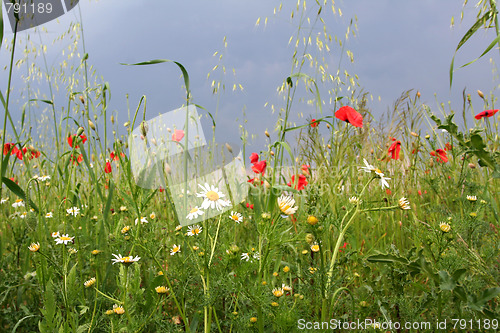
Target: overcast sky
[{"x": 400, "y": 45}]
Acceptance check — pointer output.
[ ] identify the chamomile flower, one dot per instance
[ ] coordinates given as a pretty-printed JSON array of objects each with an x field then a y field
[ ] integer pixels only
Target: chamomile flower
[
  {"x": 245, "y": 256},
  {"x": 125, "y": 229},
  {"x": 162, "y": 289},
  {"x": 212, "y": 197},
  {"x": 371, "y": 169},
  {"x": 125, "y": 260},
  {"x": 404, "y": 204},
  {"x": 18, "y": 203},
  {"x": 472, "y": 198},
  {"x": 49, "y": 215},
  {"x": 23, "y": 215},
  {"x": 284, "y": 287},
  {"x": 73, "y": 211},
  {"x": 194, "y": 213},
  {"x": 55, "y": 234},
  {"x": 354, "y": 201},
  {"x": 236, "y": 217},
  {"x": 179, "y": 227},
  {"x": 34, "y": 247},
  {"x": 152, "y": 216},
  {"x": 286, "y": 204},
  {"x": 445, "y": 227},
  {"x": 89, "y": 283},
  {"x": 64, "y": 239},
  {"x": 278, "y": 292},
  {"x": 4, "y": 200},
  {"x": 44, "y": 178},
  {"x": 118, "y": 309},
  {"x": 315, "y": 247},
  {"x": 194, "y": 230},
  {"x": 256, "y": 255},
  {"x": 143, "y": 220},
  {"x": 175, "y": 249}
]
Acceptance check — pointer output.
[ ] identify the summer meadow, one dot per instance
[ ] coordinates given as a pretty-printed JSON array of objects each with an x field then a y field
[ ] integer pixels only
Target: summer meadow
[{"x": 341, "y": 220}]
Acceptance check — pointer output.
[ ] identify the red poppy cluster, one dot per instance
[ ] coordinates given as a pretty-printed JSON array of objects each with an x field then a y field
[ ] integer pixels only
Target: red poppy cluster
[
  {"x": 486, "y": 113},
  {"x": 440, "y": 155},
  {"x": 257, "y": 167},
  {"x": 29, "y": 152},
  {"x": 314, "y": 123},
  {"x": 114, "y": 156},
  {"x": 348, "y": 114},
  {"x": 72, "y": 140},
  {"x": 76, "y": 159}
]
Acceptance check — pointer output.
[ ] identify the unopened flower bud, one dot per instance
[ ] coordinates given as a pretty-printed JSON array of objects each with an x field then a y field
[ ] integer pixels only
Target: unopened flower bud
[
  {"x": 127, "y": 124},
  {"x": 480, "y": 93},
  {"x": 229, "y": 148},
  {"x": 267, "y": 134},
  {"x": 414, "y": 134},
  {"x": 309, "y": 238},
  {"x": 272, "y": 153},
  {"x": 144, "y": 128},
  {"x": 80, "y": 131},
  {"x": 81, "y": 99},
  {"x": 418, "y": 94},
  {"x": 427, "y": 136},
  {"x": 472, "y": 165},
  {"x": 91, "y": 124}
]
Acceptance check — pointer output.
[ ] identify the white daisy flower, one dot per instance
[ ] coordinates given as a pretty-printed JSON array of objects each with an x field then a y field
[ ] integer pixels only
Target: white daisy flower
[
  {"x": 472, "y": 198},
  {"x": 44, "y": 178},
  {"x": 212, "y": 197},
  {"x": 125, "y": 260},
  {"x": 175, "y": 249},
  {"x": 404, "y": 203},
  {"x": 55, "y": 234},
  {"x": 4, "y": 200},
  {"x": 245, "y": 256},
  {"x": 152, "y": 216},
  {"x": 194, "y": 213},
  {"x": 194, "y": 230},
  {"x": 49, "y": 215},
  {"x": 73, "y": 211},
  {"x": 23, "y": 215},
  {"x": 354, "y": 201},
  {"x": 143, "y": 220},
  {"x": 256, "y": 255},
  {"x": 179, "y": 227},
  {"x": 368, "y": 167},
  {"x": 18, "y": 203},
  {"x": 236, "y": 217},
  {"x": 371, "y": 169},
  {"x": 64, "y": 239},
  {"x": 286, "y": 204}
]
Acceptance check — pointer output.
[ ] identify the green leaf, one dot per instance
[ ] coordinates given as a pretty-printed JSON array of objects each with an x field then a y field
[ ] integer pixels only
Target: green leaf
[
  {"x": 387, "y": 258},
  {"x": 479, "y": 302},
  {"x": 447, "y": 282},
  {"x": 159, "y": 61},
  {"x": 19, "y": 192}
]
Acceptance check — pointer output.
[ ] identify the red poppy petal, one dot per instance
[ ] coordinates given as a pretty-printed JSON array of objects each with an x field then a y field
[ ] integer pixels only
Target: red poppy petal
[{"x": 348, "y": 114}]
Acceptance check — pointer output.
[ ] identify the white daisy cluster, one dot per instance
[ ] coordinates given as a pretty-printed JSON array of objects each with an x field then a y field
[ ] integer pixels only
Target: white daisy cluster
[{"x": 212, "y": 198}]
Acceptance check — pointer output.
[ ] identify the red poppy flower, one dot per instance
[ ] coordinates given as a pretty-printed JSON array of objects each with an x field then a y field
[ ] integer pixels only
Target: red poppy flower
[
  {"x": 107, "y": 168},
  {"x": 348, "y": 114},
  {"x": 259, "y": 167},
  {"x": 115, "y": 157},
  {"x": 72, "y": 138},
  {"x": 253, "y": 180},
  {"x": 35, "y": 153},
  {"x": 487, "y": 113},
  {"x": 305, "y": 169},
  {"x": 301, "y": 183},
  {"x": 448, "y": 146},
  {"x": 21, "y": 152},
  {"x": 388, "y": 191},
  {"x": 394, "y": 150},
  {"x": 249, "y": 206},
  {"x": 254, "y": 158},
  {"x": 314, "y": 123},
  {"x": 8, "y": 146},
  {"x": 441, "y": 154},
  {"x": 178, "y": 135},
  {"x": 77, "y": 160}
]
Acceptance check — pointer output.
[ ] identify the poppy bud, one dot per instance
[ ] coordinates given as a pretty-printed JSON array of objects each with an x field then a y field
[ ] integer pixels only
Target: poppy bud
[
  {"x": 427, "y": 136},
  {"x": 91, "y": 124},
  {"x": 127, "y": 124},
  {"x": 418, "y": 94},
  {"x": 414, "y": 134},
  {"x": 327, "y": 126},
  {"x": 81, "y": 99},
  {"x": 312, "y": 220},
  {"x": 267, "y": 134},
  {"x": 472, "y": 165},
  {"x": 113, "y": 120},
  {"x": 80, "y": 131},
  {"x": 329, "y": 146},
  {"x": 480, "y": 93},
  {"x": 272, "y": 153},
  {"x": 144, "y": 128}
]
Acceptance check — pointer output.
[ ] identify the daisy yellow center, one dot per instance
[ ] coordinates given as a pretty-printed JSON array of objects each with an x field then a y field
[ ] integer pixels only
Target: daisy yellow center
[
  {"x": 64, "y": 238},
  {"x": 196, "y": 231},
  {"x": 212, "y": 196},
  {"x": 284, "y": 207},
  {"x": 175, "y": 249},
  {"x": 126, "y": 259},
  {"x": 194, "y": 210},
  {"x": 235, "y": 217},
  {"x": 19, "y": 200},
  {"x": 378, "y": 171}
]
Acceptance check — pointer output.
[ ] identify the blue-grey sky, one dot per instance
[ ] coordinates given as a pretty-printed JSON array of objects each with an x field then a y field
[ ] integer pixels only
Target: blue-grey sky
[{"x": 399, "y": 45}]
